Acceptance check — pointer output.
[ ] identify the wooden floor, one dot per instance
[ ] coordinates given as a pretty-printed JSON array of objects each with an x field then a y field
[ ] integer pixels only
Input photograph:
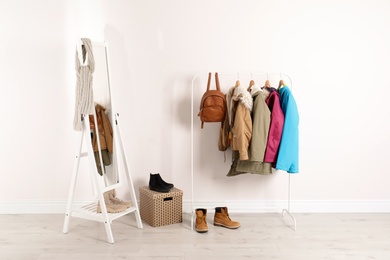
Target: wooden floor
[{"x": 261, "y": 236}]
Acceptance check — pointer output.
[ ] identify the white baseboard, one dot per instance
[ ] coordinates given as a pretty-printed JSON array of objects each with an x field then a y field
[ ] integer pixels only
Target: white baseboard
[
  {"x": 297, "y": 206},
  {"x": 242, "y": 206}
]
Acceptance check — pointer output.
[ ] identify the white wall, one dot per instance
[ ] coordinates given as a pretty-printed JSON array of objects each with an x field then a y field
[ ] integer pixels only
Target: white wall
[{"x": 336, "y": 53}]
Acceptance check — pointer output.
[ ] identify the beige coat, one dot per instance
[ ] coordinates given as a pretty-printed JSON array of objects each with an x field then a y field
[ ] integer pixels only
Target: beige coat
[
  {"x": 240, "y": 104},
  {"x": 261, "y": 121}
]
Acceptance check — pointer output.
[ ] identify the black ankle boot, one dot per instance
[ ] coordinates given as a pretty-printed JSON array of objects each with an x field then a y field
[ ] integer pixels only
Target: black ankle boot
[
  {"x": 169, "y": 185},
  {"x": 156, "y": 184}
]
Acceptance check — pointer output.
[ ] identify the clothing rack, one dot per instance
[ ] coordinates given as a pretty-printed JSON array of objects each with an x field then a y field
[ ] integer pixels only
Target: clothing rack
[{"x": 238, "y": 74}]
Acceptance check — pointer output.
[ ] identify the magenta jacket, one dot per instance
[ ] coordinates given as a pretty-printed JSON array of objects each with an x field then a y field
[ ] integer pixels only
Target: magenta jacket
[{"x": 275, "y": 129}]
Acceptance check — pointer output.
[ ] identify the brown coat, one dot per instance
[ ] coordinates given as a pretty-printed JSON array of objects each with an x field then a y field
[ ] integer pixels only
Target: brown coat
[{"x": 242, "y": 131}]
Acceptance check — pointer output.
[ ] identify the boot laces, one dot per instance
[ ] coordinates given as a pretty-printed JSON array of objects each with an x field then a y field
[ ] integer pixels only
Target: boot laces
[
  {"x": 226, "y": 215},
  {"x": 201, "y": 219}
]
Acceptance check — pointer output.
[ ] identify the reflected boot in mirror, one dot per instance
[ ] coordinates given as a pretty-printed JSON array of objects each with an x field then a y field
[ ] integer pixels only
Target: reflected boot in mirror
[
  {"x": 117, "y": 201},
  {"x": 156, "y": 184},
  {"x": 111, "y": 207}
]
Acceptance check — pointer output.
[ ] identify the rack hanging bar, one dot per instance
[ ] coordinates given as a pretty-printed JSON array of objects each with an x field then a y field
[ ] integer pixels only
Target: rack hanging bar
[
  {"x": 238, "y": 74},
  {"x": 251, "y": 74}
]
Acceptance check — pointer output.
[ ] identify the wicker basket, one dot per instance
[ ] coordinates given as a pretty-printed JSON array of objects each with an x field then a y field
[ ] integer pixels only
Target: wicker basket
[{"x": 160, "y": 209}]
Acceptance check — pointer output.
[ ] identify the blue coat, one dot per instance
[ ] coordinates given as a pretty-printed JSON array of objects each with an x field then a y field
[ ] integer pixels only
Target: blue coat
[{"x": 288, "y": 149}]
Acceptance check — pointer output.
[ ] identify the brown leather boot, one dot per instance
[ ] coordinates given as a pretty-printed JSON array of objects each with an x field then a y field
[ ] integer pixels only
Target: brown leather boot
[
  {"x": 200, "y": 223},
  {"x": 222, "y": 219}
]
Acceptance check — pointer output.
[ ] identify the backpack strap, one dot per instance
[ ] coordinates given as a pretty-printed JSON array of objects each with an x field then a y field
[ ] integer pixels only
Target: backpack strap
[
  {"x": 217, "y": 81},
  {"x": 208, "y": 82}
]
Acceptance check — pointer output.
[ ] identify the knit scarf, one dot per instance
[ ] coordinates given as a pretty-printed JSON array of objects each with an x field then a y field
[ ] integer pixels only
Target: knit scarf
[{"x": 84, "y": 94}]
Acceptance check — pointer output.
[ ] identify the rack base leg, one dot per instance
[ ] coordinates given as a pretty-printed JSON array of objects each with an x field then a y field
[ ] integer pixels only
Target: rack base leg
[
  {"x": 65, "y": 229},
  {"x": 292, "y": 217},
  {"x": 110, "y": 237},
  {"x": 71, "y": 193}
]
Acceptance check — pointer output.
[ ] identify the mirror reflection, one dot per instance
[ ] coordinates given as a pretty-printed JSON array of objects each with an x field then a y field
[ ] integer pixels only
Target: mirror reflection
[{"x": 105, "y": 160}]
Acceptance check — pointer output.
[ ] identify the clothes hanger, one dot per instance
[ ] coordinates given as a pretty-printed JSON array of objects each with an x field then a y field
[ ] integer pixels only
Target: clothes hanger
[
  {"x": 237, "y": 81},
  {"x": 281, "y": 82},
  {"x": 253, "y": 88},
  {"x": 267, "y": 83},
  {"x": 236, "y": 85},
  {"x": 251, "y": 83}
]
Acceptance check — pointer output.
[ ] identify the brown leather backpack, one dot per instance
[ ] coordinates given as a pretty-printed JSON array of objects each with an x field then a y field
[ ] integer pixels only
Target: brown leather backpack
[{"x": 213, "y": 104}]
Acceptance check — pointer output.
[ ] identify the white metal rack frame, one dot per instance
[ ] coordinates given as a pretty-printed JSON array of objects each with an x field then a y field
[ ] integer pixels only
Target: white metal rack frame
[{"x": 282, "y": 76}]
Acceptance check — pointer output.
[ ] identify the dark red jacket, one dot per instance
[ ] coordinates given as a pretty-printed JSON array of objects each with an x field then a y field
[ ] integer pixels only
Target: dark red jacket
[{"x": 276, "y": 128}]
